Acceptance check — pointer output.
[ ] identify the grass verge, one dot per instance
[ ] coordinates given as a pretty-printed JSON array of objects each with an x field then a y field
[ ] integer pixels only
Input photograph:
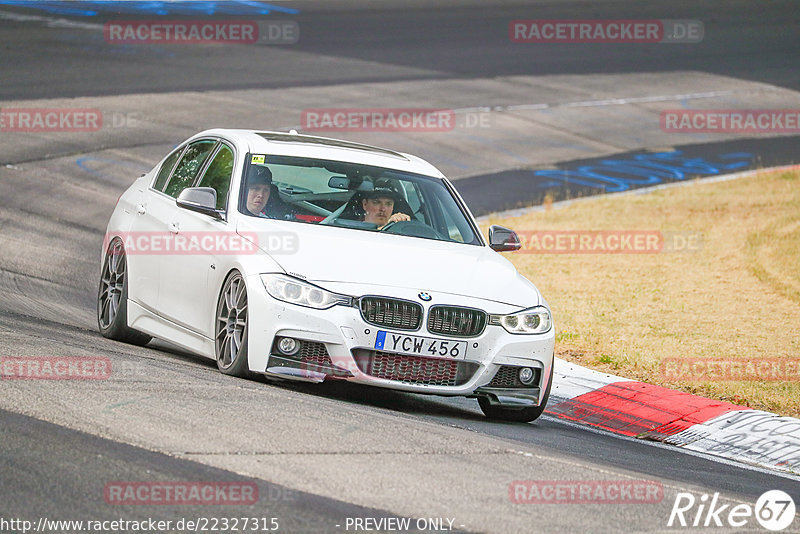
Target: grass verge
[{"x": 723, "y": 302}]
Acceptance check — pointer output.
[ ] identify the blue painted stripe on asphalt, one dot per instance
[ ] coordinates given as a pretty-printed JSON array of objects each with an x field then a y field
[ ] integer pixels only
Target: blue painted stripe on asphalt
[
  {"x": 81, "y": 162},
  {"x": 92, "y": 8}
]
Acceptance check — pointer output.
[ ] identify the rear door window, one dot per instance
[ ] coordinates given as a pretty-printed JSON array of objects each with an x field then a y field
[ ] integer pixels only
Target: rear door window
[
  {"x": 166, "y": 169},
  {"x": 188, "y": 167}
]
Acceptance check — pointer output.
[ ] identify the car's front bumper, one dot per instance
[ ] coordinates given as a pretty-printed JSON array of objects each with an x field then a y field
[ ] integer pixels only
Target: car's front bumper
[{"x": 339, "y": 344}]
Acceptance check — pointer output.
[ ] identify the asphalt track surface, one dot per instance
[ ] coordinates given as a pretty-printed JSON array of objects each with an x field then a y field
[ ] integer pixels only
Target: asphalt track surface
[
  {"x": 324, "y": 453},
  {"x": 750, "y": 40}
]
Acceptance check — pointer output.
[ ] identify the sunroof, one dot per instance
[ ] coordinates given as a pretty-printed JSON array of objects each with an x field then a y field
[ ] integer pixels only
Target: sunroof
[{"x": 307, "y": 139}]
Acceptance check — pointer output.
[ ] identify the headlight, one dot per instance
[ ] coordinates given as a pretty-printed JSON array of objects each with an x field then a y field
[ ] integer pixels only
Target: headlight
[
  {"x": 296, "y": 291},
  {"x": 533, "y": 321}
]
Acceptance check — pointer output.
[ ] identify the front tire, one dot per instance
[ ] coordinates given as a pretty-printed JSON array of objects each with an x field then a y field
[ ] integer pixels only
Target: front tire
[
  {"x": 112, "y": 298},
  {"x": 523, "y": 415},
  {"x": 231, "y": 327}
]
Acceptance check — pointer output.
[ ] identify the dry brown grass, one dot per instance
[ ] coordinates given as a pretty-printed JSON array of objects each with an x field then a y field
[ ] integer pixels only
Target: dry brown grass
[{"x": 738, "y": 298}]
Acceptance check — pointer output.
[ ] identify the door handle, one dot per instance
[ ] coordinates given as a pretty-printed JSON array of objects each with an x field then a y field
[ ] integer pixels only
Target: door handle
[
  {"x": 141, "y": 209},
  {"x": 174, "y": 227}
]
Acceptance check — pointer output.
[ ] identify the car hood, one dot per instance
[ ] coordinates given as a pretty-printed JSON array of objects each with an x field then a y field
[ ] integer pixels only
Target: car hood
[{"x": 329, "y": 254}]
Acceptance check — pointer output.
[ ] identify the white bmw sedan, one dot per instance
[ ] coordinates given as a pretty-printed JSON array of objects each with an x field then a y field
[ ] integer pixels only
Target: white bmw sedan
[{"x": 312, "y": 259}]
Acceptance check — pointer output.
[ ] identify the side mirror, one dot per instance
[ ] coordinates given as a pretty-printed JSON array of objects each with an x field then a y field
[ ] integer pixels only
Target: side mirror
[
  {"x": 503, "y": 239},
  {"x": 200, "y": 199}
]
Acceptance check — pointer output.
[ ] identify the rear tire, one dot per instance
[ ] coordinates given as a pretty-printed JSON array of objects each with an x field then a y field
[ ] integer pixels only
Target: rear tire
[
  {"x": 519, "y": 415},
  {"x": 230, "y": 332},
  {"x": 112, "y": 298}
]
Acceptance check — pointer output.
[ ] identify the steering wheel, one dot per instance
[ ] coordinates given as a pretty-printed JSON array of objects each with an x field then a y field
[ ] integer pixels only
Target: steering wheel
[{"x": 413, "y": 228}]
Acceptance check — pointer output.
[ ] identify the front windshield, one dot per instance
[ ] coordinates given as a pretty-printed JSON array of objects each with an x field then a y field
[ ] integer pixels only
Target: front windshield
[{"x": 354, "y": 196}]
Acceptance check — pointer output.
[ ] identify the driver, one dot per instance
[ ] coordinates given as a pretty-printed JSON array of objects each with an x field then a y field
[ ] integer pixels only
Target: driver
[{"x": 378, "y": 205}]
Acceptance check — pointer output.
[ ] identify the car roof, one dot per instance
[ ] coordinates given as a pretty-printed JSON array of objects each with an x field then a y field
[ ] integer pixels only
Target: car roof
[{"x": 295, "y": 144}]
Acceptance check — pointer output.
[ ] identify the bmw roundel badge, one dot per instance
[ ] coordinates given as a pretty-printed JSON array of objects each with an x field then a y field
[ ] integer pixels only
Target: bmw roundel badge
[{"x": 425, "y": 296}]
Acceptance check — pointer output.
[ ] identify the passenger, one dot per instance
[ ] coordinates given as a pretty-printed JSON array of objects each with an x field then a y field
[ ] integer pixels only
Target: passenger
[{"x": 263, "y": 199}]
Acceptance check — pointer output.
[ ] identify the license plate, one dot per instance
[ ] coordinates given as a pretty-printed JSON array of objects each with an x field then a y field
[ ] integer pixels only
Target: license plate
[{"x": 418, "y": 345}]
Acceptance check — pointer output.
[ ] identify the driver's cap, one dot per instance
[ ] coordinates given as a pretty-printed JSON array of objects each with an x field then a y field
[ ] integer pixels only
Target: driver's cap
[{"x": 383, "y": 189}]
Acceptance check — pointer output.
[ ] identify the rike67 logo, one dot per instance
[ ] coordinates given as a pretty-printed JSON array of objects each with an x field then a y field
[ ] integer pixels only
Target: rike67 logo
[{"x": 774, "y": 510}]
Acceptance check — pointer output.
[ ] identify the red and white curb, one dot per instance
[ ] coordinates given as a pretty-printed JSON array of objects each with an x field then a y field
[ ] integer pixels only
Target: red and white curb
[{"x": 645, "y": 411}]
